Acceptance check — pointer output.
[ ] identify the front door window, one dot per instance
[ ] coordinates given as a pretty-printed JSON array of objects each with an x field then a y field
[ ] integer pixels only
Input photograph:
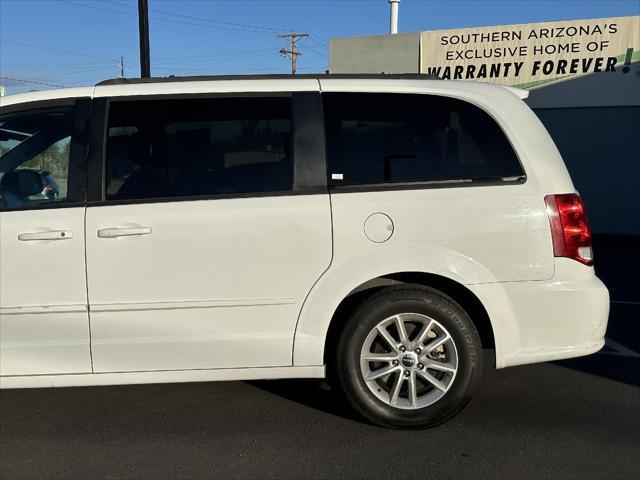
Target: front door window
[{"x": 34, "y": 157}]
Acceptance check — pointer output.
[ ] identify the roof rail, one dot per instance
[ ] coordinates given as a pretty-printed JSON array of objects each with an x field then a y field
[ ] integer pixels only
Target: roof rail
[{"x": 206, "y": 78}]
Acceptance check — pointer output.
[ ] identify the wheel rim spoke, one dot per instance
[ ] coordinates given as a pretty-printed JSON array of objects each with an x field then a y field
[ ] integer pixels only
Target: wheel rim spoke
[
  {"x": 433, "y": 380},
  {"x": 413, "y": 389},
  {"x": 388, "y": 338},
  {"x": 423, "y": 334},
  {"x": 380, "y": 357},
  {"x": 381, "y": 372},
  {"x": 430, "y": 347},
  {"x": 397, "y": 385},
  {"x": 402, "y": 332},
  {"x": 440, "y": 366}
]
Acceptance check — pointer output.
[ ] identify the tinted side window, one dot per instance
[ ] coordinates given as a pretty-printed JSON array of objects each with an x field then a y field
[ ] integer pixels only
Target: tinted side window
[
  {"x": 390, "y": 138},
  {"x": 34, "y": 157},
  {"x": 196, "y": 147}
]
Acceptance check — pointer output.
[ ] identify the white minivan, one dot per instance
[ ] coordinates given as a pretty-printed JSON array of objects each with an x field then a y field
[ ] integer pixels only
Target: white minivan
[{"x": 379, "y": 230}]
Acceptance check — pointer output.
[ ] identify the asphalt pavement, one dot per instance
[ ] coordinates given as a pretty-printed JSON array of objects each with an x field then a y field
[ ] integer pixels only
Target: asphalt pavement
[{"x": 577, "y": 418}]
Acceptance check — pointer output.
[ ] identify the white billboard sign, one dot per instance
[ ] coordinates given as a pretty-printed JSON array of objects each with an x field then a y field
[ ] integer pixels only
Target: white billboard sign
[{"x": 532, "y": 54}]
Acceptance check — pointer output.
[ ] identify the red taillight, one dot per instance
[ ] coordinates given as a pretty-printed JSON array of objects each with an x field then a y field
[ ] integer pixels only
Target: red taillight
[{"x": 569, "y": 227}]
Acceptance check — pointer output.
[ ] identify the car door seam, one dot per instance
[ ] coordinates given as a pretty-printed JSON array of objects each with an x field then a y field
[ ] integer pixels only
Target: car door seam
[{"x": 86, "y": 284}]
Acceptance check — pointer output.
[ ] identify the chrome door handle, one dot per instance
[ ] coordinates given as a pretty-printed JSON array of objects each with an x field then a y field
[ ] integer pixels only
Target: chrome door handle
[
  {"x": 123, "y": 232},
  {"x": 50, "y": 235}
]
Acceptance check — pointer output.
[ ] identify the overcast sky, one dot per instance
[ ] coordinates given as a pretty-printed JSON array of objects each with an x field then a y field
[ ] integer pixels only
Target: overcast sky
[{"x": 79, "y": 42}]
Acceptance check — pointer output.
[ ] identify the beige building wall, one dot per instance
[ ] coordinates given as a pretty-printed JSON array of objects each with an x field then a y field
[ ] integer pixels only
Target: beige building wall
[{"x": 376, "y": 54}]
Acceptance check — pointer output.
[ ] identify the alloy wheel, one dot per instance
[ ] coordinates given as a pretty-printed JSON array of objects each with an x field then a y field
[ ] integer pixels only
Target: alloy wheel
[{"x": 409, "y": 361}]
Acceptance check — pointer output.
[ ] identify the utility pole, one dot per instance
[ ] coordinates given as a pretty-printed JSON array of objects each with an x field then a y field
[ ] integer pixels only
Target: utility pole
[
  {"x": 121, "y": 67},
  {"x": 143, "y": 27},
  {"x": 393, "y": 29},
  {"x": 292, "y": 52}
]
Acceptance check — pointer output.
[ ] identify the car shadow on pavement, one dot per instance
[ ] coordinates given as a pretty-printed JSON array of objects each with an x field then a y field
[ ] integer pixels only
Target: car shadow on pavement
[
  {"x": 323, "y": 396},
  {"x": 619, "y": 359},
  {"x": 314, "y": 393},
  {"x": 613, "y": 367},
  {"x": 320, "y": 395}
]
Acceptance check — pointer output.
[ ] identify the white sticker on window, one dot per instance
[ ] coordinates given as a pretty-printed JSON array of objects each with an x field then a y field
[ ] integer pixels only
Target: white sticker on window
[{"x": 337, "y": 176}]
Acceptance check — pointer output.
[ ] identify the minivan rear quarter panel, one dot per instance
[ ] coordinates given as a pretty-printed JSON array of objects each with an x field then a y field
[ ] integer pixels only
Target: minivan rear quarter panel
[{"x": 470, "y": 233}]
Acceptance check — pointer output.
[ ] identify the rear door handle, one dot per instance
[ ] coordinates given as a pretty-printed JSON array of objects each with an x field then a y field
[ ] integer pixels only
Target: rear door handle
[
  {"x": 123, "y": 232},
  {"x": 50, "y": 235}
]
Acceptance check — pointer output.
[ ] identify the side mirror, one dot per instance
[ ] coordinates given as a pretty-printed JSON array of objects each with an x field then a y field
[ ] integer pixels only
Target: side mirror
[{"x": 22, "y": 182}]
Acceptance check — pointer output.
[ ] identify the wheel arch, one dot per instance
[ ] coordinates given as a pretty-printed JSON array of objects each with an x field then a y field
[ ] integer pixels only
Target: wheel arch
[{"x": 457, "y": 291}]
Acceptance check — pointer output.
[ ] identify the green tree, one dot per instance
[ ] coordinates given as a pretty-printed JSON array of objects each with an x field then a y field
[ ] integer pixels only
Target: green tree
[{"x": 54, "y": 159}]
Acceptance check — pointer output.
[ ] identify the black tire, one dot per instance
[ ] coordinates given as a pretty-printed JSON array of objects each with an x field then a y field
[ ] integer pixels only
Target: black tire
[{"x": 386, "y": 303}]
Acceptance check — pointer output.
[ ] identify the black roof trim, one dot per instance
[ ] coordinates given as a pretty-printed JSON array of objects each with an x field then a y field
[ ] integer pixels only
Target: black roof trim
[{"x": 319, "y": 76}]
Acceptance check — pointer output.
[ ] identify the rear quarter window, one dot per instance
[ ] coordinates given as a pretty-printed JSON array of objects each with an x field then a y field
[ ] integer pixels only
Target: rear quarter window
[{"x": 399, "y": 138}]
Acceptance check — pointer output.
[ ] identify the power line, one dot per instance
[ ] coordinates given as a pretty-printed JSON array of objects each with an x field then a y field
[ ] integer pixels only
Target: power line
[
  {"x": 316, "y": 51},
  {"x": 228, "y": 58},
  {"x": 292, "y": 52},
  {"x": 56, "y": 75},
  {"x": 318, "y": 40},
  {"x": 208, "y": 25},
  {"x": 189, "y": 58},
  {"x": 102, "y": 65},
  {"x": 54, "y": 64},
  {"x": 21, "y": 80},
  {"x": 66, "y": 52},
  {"x": 209, "y": 20}
]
